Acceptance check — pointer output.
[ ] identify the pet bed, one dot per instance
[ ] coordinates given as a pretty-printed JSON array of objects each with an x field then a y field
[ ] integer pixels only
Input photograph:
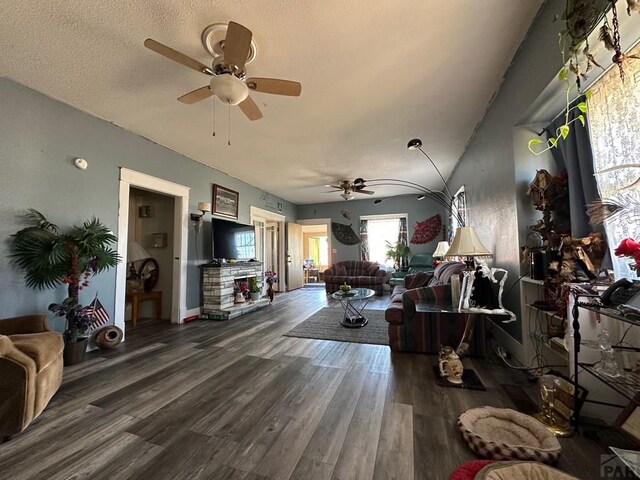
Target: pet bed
[
  {"x": 504, "y": 434},
  {"x": 521, "y": 471}
]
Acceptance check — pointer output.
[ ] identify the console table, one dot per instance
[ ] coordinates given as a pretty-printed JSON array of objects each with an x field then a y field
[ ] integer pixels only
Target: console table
[{"x": 136, "y": 297}]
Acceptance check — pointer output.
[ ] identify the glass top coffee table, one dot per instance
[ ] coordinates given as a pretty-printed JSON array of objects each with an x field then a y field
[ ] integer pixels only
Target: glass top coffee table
[{"x": 354, "y": 303}]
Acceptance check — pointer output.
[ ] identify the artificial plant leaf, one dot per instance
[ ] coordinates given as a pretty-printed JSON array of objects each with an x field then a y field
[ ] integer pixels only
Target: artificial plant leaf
[
  {"x": 587, "y": 94},
  {"x": 552, "y": 142},
  {"x": 564, "y": 131},
  {"x": 582, "y": 106},
  {"x": 563, "y": 74},
  {"x": 581, "y": 119}
]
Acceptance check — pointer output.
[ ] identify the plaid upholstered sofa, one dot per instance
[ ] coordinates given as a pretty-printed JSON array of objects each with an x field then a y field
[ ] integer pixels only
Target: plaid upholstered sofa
[
  {"x": 426, "y": 332},
  {"x": 356, "y": 273}
]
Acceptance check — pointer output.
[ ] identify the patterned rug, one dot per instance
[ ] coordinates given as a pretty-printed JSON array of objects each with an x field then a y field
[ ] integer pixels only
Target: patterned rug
[{"x": 325, "y": 325}]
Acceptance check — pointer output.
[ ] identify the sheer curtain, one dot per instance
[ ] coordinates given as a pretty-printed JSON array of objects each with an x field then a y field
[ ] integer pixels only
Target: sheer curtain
[
  {"x": 380, "y": 230},
  {"x": 614, "y": 113}
]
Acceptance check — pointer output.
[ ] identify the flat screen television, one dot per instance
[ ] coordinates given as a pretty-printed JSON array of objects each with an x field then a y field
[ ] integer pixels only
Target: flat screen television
[{"x": 233, "y": 240}]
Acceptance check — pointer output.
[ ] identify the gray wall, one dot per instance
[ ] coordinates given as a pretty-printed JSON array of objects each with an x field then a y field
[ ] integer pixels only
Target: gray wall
[
  {"x": 40, "y": 137},
  {"x": 488, "y": 168},
  {"x": 416, "y": 210}
]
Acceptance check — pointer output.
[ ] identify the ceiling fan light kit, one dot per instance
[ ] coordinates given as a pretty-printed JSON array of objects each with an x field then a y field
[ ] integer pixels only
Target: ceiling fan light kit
[
  {"x": 232, "y": 47},
  {"x": 229, "y": 89},
  {"x": 347, "y": 195}
]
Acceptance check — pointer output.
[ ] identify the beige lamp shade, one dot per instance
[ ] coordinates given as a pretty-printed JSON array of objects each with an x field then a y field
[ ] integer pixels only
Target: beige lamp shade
[
  {"x": 204, "y": 207},
  {"x": 135, "y": 252},
  {"x": 467, "y": 244},
  {"x": 441, "y": 249}
]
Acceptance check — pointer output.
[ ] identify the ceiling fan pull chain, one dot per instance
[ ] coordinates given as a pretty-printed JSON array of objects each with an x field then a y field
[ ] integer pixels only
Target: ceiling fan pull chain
[
  {"x": 214, "y": 117},
  {"x": 229, "y": 137}
]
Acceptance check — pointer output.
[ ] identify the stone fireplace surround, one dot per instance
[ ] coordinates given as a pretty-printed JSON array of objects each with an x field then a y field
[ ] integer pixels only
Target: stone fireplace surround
[{"x": 217, "y": 289}]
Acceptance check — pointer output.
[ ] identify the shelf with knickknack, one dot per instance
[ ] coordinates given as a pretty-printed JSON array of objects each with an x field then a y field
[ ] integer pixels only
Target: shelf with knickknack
[{"x": 626, "y": 382}]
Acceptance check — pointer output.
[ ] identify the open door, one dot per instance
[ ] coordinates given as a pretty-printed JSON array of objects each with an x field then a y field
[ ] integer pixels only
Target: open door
[{"x": 295, "y": 268}]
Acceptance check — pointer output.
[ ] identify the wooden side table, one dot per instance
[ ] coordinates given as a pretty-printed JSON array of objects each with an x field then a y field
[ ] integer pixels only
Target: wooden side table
[{"x": 136, "y": 297}]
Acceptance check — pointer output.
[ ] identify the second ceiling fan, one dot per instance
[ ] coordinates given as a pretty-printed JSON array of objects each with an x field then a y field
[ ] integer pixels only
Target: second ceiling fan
[
  {"x": 228, "y": 75},
  {"x": 348, "y": 188}
]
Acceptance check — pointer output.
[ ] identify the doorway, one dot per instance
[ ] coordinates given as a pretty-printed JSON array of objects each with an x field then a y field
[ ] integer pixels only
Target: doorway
[
  {"x": 149, "y": 257},
  {"x": 177, "y": 271},
  {"x": 270, "y": 243},
  {"x": 315, "y": 251}
]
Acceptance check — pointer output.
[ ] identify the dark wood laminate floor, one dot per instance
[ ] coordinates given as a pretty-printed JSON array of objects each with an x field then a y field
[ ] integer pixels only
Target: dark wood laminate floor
[{"x": 237, "y": 400}]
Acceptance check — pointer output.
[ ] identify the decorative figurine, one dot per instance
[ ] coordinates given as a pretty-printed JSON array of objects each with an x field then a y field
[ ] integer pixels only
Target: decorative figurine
[{"x": 450, "y": 365}]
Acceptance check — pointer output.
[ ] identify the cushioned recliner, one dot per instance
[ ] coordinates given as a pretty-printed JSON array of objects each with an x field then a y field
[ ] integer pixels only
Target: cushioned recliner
[
  {"x": 419, "y": 262},
  {"x": 30, "y": 370}
]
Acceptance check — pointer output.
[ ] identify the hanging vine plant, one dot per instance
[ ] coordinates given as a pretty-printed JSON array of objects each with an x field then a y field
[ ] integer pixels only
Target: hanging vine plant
[{"x": 581, "y": 17}]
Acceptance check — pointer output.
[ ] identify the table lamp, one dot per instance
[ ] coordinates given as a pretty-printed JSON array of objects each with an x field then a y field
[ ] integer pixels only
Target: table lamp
[
  {"x": 441, "y": 249},
  {"x": 467, "y": 245},
  {"x": 135, "y": 253}
]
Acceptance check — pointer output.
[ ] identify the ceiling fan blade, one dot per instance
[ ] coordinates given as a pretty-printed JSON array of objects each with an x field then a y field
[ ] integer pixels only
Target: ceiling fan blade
[
  {"x": 275, "y": 86},
  {"x": 197, "y": 95},
  {"x": 176, "y": 56},
  {"x": 366, "y": 192},
  {"x": 333, "y": 186},
  {"x": 250, "y": 109},
  {"x": 237, "y": 45}
]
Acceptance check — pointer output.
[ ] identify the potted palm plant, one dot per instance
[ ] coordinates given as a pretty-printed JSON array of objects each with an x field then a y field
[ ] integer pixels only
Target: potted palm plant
[
  {"x": 50, "y": 257},
  {"x": 399, "y": 253}
]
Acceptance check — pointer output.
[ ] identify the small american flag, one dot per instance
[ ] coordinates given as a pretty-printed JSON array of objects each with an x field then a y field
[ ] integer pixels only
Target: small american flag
[{"x": 98, "y": 314}]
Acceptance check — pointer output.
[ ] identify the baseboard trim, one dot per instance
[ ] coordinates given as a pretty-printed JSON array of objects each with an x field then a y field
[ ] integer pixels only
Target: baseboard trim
[{"x": 191, "y": 313}]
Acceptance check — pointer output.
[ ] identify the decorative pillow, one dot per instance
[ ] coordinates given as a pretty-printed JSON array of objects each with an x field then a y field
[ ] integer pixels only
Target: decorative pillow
[{"x": 419, "y": 279}]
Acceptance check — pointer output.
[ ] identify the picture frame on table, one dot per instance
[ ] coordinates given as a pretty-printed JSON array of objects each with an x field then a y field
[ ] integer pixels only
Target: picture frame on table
[
  {"x": 629, "y": 420},
  {"x": 225, "y": 202}
]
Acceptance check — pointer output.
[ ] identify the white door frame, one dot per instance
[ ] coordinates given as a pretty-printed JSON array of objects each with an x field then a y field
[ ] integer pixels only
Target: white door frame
[
  {"x": 131, "y": 178},
  {"x": 260, "y": 214},
  {"x": 321, "y": 221}
]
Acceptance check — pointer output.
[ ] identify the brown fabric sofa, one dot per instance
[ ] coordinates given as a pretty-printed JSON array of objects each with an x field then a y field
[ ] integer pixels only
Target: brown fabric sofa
[
  {"x": 30, "y": 370},
  {"x": 426, "y": 332},
  {"x": 358, "y": 274}
]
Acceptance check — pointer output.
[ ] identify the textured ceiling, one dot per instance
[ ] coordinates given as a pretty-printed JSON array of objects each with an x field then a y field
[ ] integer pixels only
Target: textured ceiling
[{"x": 374, "y": 74}]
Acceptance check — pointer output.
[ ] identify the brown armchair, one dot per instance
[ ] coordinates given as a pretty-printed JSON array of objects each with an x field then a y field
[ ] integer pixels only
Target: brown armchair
[{"x": 30, "y": 370}]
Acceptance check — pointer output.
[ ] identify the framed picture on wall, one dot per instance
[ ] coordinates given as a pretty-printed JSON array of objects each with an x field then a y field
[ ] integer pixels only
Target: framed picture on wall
[{"x": 225, "y": 202}]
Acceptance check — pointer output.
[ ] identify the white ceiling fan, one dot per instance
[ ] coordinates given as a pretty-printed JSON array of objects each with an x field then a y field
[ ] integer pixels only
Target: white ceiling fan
[{"x": 228, "y": 75}]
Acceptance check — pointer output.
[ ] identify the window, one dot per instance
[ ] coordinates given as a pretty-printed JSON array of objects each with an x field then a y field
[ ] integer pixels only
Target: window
[
  {"x": 245, "y": 244},
  {"x": 379, "y": 230},
  {"x": 614, "y": 116},
  {"x": 459, "y": 206}
]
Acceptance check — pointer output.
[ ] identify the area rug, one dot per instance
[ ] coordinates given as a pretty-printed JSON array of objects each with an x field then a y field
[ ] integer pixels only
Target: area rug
[{"x": 325, "y": 325}]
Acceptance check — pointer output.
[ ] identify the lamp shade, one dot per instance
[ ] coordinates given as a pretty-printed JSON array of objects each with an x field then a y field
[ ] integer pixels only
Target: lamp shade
[
  {"x": 204, "y": 206},
  {"x": 441, "y": 249},
  {"x": 136, "y": 252},
  {"x": 467, "y": 244}
]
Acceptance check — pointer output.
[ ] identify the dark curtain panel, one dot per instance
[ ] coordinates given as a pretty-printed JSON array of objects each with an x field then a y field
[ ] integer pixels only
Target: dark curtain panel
[
  {"x": 574, "y": 153},
  {"x": 364, "y": 240}
]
